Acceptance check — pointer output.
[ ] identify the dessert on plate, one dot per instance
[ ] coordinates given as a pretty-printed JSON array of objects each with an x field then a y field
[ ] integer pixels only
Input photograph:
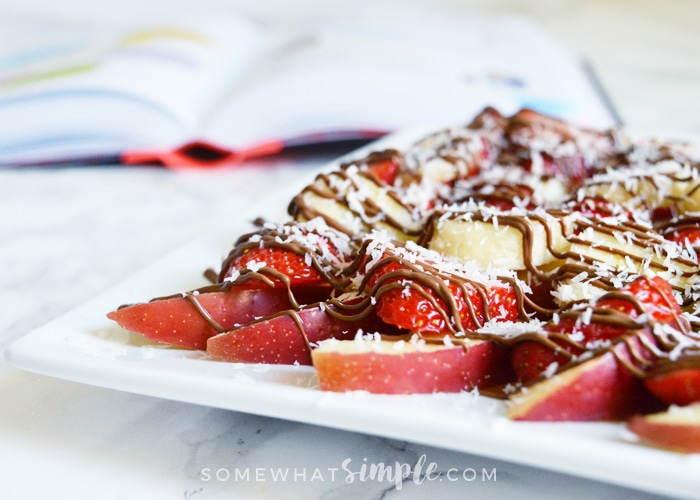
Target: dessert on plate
[{"x": 522, "y": 257}]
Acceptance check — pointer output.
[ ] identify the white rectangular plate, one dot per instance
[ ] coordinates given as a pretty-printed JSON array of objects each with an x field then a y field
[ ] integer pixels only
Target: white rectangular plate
[{"x": 84, "y": 346}]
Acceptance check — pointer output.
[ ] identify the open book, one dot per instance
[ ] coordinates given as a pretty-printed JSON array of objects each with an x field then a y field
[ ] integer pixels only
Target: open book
[{"x": 217, "y": 90}]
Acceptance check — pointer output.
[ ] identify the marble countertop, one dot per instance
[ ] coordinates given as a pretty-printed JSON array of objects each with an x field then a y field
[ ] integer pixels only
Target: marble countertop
[{"x": 66, "y": 234}]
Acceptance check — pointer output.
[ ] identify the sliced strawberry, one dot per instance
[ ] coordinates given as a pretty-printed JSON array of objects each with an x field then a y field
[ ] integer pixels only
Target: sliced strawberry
[
  {"x": 573, "y": 167},
  {"x": 685, "y": 236},
  {"x": 385, "y": 171},
  {"x": 678, "y": 387},
  {"x": 407, "y": 299},
  {"x": 282, "y": 262},
  {"x": 645, "y": 295},
  {"x": 490, "y": 126},
  {"x": 383, "y": 166},
  {"x": 288, "y": 255},
  {"x": 662, "y": 215},
  {"x": 656, "y": 296},
  {"x": 612, "y": 317},
  {"x": 189, "y": 320},
  {"x": 653, "y": 296},
  {"x": 531, "y": 358},
  {"x": 683, "y": 229},
  {"x": 543, "y": 144}
]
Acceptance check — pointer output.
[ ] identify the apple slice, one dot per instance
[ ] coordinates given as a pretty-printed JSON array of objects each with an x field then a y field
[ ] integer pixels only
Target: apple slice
[
  {"x": 287, "y": 337},
  {"x": 601, "y": 388},
  {"x": 677, "y": 429},
  {"x": 188, "y": 320},
  {"x": 408, "y": 367}
]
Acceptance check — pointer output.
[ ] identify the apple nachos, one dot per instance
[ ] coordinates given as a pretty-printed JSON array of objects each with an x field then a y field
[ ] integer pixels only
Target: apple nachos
[{"x": 519, "y": 256}]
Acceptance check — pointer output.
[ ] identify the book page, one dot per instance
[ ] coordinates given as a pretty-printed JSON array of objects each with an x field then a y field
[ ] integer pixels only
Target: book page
[
  {"x": 166, "y": 75},
  {"x": 392, "y": 69}
]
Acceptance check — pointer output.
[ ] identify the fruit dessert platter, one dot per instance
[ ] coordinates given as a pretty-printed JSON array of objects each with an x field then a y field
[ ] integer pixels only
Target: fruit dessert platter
[{"x": 519, "y": 257}]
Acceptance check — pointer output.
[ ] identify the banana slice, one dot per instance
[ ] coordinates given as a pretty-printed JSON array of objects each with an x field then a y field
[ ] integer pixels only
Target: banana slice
[
  {"x": 516, "y": 239},
  {"x": 648, "y": 186},
  {"x": 354, "y": 202},
  {"x": 444, "y": 156},
  {"x": 574, "y": 250},
  {"x": 617, "y": 251}
]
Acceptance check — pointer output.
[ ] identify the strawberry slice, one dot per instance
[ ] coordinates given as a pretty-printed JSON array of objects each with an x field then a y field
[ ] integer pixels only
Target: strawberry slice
[
  {"x": 532, "y": 358},
  {"x": 288, "y": 255},
  {"x": 544, "y": 144},
  {"x": 678, "y": 387},
  {"x": 662, "y": 216},
  {"x": 685, "y": 235},
  {"x": 279, "y": 266},
  {"x": 612, "y": 317},
  {"x": 573, "y": 168},
  {"x": 411, "y": 299},
  {"x": 384, "y": 171},
  {"x": 645, "y": 295},
  {"x": 384, "y": 167}
]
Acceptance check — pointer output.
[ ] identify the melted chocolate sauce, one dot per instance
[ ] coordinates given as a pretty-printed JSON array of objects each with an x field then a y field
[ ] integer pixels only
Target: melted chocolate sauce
[{"x": 644, "y": 348}]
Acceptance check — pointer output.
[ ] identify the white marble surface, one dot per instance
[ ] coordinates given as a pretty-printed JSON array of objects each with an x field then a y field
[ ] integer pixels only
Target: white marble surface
[{"x": 67, "y": 234}]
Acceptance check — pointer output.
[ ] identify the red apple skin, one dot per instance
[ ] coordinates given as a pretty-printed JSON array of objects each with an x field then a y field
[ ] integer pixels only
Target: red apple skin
[
  {"x": 600, "y": 389},
  {"x": 663, "y": 431},
  {"x": 280, "y": 340},
  {"x": 679, "y": 387},
  {"x": 449, "y": 369},
  {"x": 176, "y": 321}
]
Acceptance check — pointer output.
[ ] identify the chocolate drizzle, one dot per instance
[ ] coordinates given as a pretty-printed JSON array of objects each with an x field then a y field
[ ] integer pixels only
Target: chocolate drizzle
[
  {"x": 326, "y": 252},
  {"x": 353, "y": 189},
  {"x": 604, "y": 249},
  {"x": 340, "y": 220}
]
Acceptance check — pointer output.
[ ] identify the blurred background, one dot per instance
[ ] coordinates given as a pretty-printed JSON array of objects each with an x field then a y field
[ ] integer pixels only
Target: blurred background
[{"x": 646, "y": 53}]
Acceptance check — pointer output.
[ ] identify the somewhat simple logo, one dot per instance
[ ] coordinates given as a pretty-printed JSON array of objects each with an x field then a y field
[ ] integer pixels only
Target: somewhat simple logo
[{"x": 397, "y": 473}]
